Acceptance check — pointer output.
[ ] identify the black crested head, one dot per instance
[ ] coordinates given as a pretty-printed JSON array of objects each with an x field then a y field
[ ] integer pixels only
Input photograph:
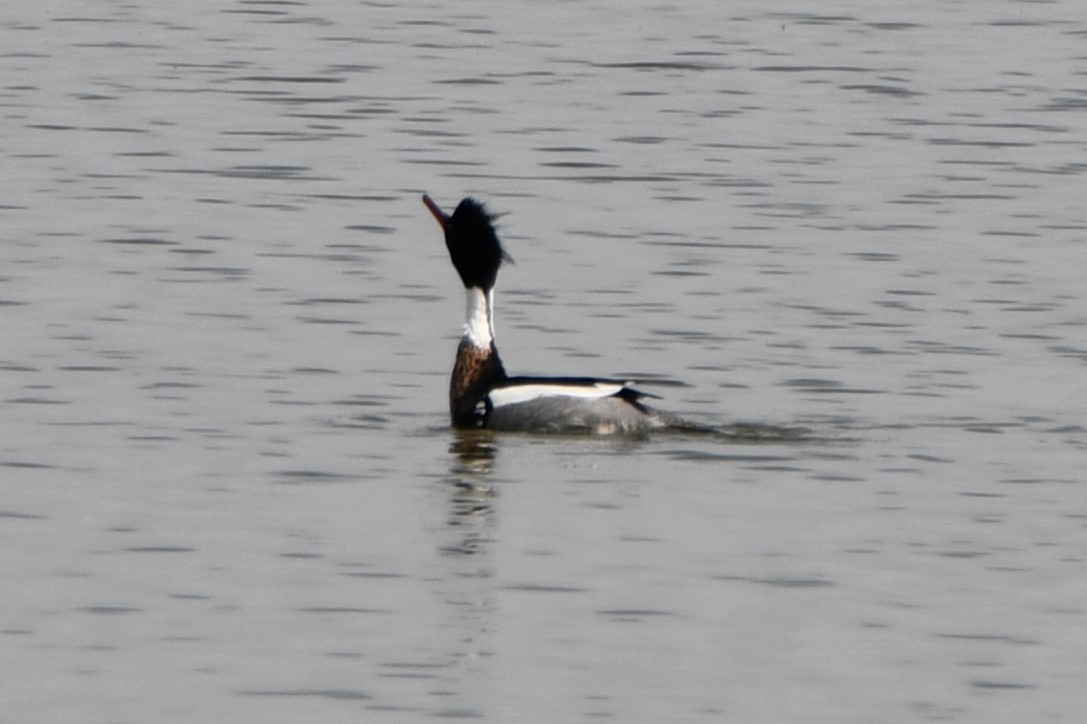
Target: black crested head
[{"x": 473, "y": 244}]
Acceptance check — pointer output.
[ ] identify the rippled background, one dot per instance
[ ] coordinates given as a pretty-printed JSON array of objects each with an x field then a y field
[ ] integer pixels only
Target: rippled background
[{"x": 228, "y": 490}]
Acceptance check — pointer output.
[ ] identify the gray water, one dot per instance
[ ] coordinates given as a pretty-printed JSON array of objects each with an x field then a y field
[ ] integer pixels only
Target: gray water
[{"x": 228, "y": 489}]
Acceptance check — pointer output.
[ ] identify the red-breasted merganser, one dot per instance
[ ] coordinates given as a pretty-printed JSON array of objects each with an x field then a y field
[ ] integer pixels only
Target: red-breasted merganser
[{"x": 482, "y": 395}]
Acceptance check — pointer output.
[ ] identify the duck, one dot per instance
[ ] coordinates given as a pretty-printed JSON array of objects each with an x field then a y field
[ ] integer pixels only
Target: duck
[{"x": 482, "y": 395}]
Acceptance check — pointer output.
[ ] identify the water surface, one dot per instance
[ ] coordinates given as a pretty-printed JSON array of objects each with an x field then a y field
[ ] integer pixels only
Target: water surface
[{"x": 229, "y": 488}]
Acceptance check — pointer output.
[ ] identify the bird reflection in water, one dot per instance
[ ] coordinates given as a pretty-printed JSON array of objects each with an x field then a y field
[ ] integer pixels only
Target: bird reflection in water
[{"x": 471, "y": 503}]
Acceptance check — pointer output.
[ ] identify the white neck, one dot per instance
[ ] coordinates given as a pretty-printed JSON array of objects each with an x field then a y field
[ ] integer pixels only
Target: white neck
[{"x": 478, "y": 324}]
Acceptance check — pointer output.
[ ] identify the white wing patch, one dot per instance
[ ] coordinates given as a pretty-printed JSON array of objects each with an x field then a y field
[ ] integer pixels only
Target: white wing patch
[{"x": 525, "y": 393}]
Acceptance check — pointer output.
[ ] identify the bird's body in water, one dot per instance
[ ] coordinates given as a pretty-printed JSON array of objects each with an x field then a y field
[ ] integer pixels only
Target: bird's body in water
[{"x": 482, "y": 395}]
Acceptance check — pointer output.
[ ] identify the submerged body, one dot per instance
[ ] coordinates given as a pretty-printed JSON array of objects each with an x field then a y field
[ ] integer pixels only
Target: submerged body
[{"x": 482, "y": 395}]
